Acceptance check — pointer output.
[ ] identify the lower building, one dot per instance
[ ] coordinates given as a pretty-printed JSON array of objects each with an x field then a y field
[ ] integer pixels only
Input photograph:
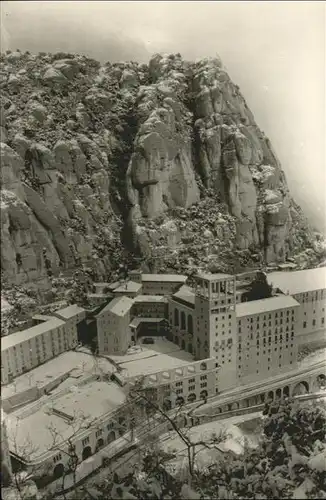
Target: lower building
[
  {"x": 86, "y": 418},
  {"x": 171, "y": 387}
]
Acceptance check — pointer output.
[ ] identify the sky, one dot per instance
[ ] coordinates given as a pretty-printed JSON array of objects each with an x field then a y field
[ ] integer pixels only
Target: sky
[{"x": 275, "y": 52}]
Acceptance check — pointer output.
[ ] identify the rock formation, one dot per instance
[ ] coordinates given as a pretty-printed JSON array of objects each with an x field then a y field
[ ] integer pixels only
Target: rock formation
[{"x": 161, "y": 161}]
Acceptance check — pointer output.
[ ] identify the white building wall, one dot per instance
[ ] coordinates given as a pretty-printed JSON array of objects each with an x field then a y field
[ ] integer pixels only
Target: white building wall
[
  {"x": 311, "y": 313},
  {"x": 196, "y": 380},
  {"x": 5, "y": 457},
  {"x": 266, "y": 344},
  {"x": 30, "y": 353},
  {"x": 113, "y": 332}
]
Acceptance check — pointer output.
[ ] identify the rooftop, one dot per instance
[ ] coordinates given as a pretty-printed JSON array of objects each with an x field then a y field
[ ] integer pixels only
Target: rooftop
[
  {"x": 173, "y": 278},
  {"x": 137, "y": 321},
  {"x": 44, "y": 374},
  {"x": 265, "y": 305},
  {"x": 85, "y": 404},
  {"x": 163, "y": 355},
  {"x": 213, "y": 277},
  {"x": 150, "y": 298},
  {"x": 186, "y": 294},
  {"x": 69, "y": 312},
  {"x": 293, "y": 282},
  {"x": 18, "y": 337},
  {"x": 128, "y": 286},
  {"x": 119, "y": 306}
]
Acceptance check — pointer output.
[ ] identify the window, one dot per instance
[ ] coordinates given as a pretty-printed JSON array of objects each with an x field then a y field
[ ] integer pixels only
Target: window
[
  {"x": 85, "y": 441},
  {"x": 109, "y": 427},
  {"x": 179, "y": 391},
  {"x": 98, "y": 433},
  {"x": 204, "y": 384},
  {"x": 304, "y": 324},
  {"x": 178, "y": 384},
  {"x": 191, "y": 380},
  {"x": 57, "y": 458},
  {"x": 203, "y": 377}
]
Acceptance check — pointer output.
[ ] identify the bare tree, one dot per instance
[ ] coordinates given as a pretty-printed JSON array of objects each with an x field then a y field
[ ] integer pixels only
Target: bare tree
[
  {"x": 67, "y": 446},
  {"x": 139, "y": 392},
  {"x": 21, "y": 479}
]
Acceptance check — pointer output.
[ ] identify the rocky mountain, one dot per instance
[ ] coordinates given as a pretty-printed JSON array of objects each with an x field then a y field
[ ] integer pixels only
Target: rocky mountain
[{"x": 125, "y": 163}]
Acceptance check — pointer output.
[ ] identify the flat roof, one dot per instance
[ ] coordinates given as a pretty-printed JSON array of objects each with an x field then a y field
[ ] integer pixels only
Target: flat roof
[
  {"x": 69, "y": 312},
  {"x": 213, "y": 276},
  {"x": 40, "y": 376},
  {"x": 177, "y": 278},
  {"x": 265, "y": 305},
  {"x": 185, "y": 293},
  {"x": 41, "y": 317},
  {"x": 150, "y": 298},
  {"x": 85, "y": 403},
  {"x": 137, "y": 321},
  {"x": 293, "y": 282},
  {"x": 118, "y": 306},
  {"x": 128, "y": 286},
  {"x": 18, "y": 337},
  {"x": 163, "y": 355}
]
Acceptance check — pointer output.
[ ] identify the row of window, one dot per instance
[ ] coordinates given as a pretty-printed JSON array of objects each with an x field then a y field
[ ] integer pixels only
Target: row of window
[
  {"x": 322, "y": 322},
  {"x": 191, "y": 388}
]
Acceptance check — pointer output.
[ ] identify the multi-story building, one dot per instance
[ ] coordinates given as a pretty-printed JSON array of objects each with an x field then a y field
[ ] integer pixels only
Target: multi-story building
[
  {"x": 265, "y": 338},
  {"x": 203, "y": 322},
  {"x": 22, "y": 351},
  {"x": 308, "y": 287},
  {"x": 158, "y": 284},
  {"x": 49, "y": 337},
  {"x": 113, "y": 332}
]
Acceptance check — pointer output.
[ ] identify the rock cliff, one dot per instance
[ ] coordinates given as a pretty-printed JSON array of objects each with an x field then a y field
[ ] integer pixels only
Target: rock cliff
[{"x": 103, "y": 165}]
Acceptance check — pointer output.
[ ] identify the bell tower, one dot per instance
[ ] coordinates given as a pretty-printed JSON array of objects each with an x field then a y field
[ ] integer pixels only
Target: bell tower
[{"x": 215, "y": 324}]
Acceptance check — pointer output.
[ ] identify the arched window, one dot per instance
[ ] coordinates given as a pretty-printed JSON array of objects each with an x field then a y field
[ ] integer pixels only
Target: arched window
[
  {"x": 183, "y": 321},
  {"x": 190, "y": 325},
  {"x": 176, "y": 317}
]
